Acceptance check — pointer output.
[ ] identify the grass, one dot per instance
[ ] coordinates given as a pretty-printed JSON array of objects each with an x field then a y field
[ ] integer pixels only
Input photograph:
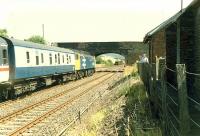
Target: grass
[
  {"x": 132, "y": 70},
  {"x": 141, "y": 122},
  {"x": 136, "y": 119},
  {"x": 95, "y": 123},
  {"x": 97, "y": 118},
  {"x": 137, "y": 112}
]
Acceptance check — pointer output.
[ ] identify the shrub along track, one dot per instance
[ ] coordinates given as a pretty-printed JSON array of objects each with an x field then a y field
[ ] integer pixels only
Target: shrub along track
[{"x": 21, "y": 120}]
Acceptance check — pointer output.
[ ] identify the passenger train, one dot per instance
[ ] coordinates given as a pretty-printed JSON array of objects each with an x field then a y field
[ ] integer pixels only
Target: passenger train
[{"x": 26, "y": 66}]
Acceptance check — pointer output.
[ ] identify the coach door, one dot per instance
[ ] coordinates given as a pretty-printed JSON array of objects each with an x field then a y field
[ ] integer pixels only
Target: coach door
[
  {"x": 4, "y": 68},
  {"x": 77, "y": 62}
]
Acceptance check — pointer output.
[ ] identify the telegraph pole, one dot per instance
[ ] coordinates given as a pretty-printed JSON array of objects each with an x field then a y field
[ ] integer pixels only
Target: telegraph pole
[
  {"x": 43, "y": 31},
  {"x": 181, "y": 5},
  {"x": 178, "y": 40}
]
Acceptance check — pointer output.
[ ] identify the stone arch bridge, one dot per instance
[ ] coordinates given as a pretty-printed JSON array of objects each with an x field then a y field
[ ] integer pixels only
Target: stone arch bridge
[{"x": 130, "y": 50}]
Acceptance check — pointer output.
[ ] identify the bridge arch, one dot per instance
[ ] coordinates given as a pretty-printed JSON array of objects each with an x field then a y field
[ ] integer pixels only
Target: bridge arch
[{"x": 130, "y": 50}]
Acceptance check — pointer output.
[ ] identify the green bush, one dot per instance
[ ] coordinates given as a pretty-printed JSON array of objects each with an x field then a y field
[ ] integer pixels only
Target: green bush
[
  {"x": 99, "y": 60},
  {"x": 36, "y": 39}
]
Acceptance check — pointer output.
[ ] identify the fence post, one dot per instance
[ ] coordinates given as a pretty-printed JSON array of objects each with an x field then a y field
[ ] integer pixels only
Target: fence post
[
  {"x": 164, "y": 99},
  {"x": 145, "y": 75},
  {"x": 157, "y": 67},
  {"x": 149, "y": 78},
  {"x": 155, "y": 91},
  {"x": 161, "y": 63},
  {"x": 183, "y": 100}
]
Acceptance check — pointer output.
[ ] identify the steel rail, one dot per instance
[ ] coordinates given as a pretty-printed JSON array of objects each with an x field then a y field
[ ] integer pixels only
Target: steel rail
[
  {"x": 29, "y": 107},
  {"x": 77, "y": 117},
  {"x": 45, "y": 115},
  {"x": 4, "y": 103}
]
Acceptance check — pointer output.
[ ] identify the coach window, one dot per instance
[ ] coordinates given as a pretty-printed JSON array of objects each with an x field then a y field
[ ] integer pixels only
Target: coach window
[
  {"x": 37, "y": 60},
  {"x": 58, "y": 58},
  {"x": 63, "y": 57},
  {"x": 50, "y": 58},
  {"x": 55, "y": 58},
  {"x": 42, "y": 57},
  {"x": 69, "y": 59},
  {"x": 5, "y": 57},
  {"x": 27, "y": 57}
]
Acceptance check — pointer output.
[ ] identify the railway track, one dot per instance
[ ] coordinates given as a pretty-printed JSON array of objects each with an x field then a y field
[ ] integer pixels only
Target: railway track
[
  {"x": 100, "y": 93},
  {"x": 9, "y": 102},
  {"x": 2, "y": 118},
  {"x": 117, "y": 68},
  {"x": 21, "y": 120}
]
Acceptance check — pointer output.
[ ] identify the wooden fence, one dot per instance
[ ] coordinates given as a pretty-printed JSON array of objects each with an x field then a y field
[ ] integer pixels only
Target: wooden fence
[{"x": 171, "y": 102}]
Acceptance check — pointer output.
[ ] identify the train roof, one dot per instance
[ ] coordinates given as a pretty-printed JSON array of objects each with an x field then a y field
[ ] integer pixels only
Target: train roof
[
  {"x": 3, "y": 41},
  {"x": 28, "y": 44}
]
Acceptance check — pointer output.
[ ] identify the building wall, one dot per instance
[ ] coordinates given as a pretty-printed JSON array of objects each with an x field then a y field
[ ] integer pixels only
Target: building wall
[
  {"x": 157, "y": 46},
  {"x": 197, "y": 41},
  {"x": 171, "y": 52},
  {"x": 196, "y": 52}
]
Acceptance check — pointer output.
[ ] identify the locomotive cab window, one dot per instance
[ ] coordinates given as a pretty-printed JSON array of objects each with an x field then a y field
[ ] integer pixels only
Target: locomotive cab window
[
  {"x": 76, "y": 56},
  {"x": 5, "y": 57},
  {"x": 27, "y": 57}
]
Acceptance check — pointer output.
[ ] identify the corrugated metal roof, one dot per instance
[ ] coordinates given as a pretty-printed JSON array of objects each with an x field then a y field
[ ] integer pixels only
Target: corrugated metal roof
[
  {"x": 28, "y": 44},
  {"x": 171, "y": 20}
]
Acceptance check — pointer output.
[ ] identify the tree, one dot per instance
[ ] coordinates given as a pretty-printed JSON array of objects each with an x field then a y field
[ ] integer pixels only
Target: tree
[
  {"x": 108, "y": 62},
  {"x": 99, "y": 60},
  {"x": 37, "y": 39},
  {"x": 3, "y": 32}
]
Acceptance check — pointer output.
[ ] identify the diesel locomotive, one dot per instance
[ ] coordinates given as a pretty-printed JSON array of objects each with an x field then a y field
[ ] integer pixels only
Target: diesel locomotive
[{"x": 26, "y": 66}]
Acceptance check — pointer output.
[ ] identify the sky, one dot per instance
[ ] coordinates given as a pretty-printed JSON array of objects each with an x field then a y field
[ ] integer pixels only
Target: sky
[{"x": 85, "y": 20}]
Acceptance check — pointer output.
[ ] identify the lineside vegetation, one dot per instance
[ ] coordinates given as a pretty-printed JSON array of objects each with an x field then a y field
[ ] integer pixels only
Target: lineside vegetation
[{"x": 128, "y": 113}]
